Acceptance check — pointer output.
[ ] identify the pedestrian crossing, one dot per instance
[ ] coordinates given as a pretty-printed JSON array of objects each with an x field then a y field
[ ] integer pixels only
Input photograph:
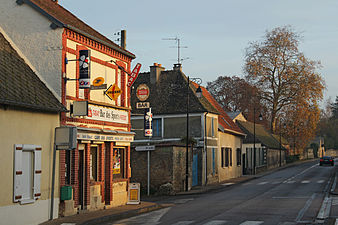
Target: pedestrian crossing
[
  {"x": 282, "y": 182},
  {"x": 221, "y": 222}
]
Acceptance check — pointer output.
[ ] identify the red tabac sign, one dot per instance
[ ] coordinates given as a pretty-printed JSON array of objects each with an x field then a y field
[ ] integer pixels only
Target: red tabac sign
[{"x": 134, "y": 74}]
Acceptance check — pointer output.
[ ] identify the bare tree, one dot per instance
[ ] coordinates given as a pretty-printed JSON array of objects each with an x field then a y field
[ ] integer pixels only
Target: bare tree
[{"x": 283, "y": 74}]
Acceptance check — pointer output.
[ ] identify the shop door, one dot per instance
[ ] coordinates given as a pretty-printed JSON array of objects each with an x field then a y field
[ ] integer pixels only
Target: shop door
[{"x": 81, "y": 179}]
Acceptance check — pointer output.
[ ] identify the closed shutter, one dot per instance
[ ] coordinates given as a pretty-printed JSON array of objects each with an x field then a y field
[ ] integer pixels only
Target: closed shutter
[
  {"x": 37, "y": 172},
  {"x": 17, "y": 192}
]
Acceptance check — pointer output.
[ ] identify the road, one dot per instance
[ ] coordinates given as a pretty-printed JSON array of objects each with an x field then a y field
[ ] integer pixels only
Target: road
[{"x": 294, "y": 195}]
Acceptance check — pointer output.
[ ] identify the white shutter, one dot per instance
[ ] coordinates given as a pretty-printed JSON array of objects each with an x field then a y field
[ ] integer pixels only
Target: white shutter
[
  {"x": 37, "y": 172},
  {"x": 17, "y": 192}
]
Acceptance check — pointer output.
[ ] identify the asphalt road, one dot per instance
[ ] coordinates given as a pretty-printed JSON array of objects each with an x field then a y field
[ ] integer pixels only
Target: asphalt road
[{"x": 293, "y": 195}]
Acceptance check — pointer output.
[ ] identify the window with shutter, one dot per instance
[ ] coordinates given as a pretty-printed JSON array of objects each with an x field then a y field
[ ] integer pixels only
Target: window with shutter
[{"x": 27, "y": 173}]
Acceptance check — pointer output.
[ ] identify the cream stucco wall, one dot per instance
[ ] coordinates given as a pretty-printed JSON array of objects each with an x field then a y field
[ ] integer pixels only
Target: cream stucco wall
[
  {"x": 24, "y": 127},
  {"x": 40, "y": 45},
  {"x": 226, "y": 140}
]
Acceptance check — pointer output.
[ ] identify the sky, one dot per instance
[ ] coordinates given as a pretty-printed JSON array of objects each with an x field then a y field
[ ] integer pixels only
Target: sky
[{"x": 214, "y": 34}]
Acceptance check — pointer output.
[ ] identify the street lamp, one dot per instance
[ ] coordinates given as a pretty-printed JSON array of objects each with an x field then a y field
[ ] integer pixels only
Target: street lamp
[
  {"x": 199, "y": 95},
  {"x": 260, "y": 118}
]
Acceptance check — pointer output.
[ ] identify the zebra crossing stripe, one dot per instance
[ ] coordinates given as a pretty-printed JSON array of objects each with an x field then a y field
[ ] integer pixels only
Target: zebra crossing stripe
[
  {"x": 183, "y": 222},
  {"x": 320, "y": 181},
  {"x": 252, "y": 223},
  {"x": 262, "y": 183},
  {"x": 216, "y": 222},
  {"x": 305, "y": 182}
]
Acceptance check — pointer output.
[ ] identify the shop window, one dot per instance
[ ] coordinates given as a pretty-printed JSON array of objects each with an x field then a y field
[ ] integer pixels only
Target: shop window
[
  {"x": 118, "y": 163},
  {"x": 93, "y": 163},
  {"x": 239, "y": 156},
  {"x": 27, "y": 173}
]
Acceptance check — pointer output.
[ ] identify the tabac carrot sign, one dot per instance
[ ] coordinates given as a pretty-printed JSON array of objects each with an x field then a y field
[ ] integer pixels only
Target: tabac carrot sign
[{"x": 134, "y": 74}]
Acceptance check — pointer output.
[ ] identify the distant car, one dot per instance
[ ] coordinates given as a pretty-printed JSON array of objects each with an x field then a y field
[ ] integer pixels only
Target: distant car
[{"x": 326, "y": 160}]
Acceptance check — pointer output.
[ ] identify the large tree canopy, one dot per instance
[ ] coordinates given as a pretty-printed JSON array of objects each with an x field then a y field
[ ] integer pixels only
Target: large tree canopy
[{"x": 285, "y": 77}]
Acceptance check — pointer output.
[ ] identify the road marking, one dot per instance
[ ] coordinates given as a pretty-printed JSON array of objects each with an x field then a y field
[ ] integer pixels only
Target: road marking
[
  {"x": 335, "y": 201},
  {"x": 252, "y": 223},
  {"x": 325, "y": 209},
  {"x": 276, "y": 182},
  {"x": 151, "y": 218},
  {"x": 291, "y": 182},
  {"x": 227, "y": 184},
  {"x": 183, "y": 222},
  {"x": 306, "y": 206},
  {"x": 305, "y": 182},
  {"x": 262, "y": 183},
  {"x": 216, "y": 222},
  {"x": 320, "y": 181},
  {"x": 304, "y": 171},
  {"x": 182, "y": 201},
  {"x": 291, "y": 197},
  {"x": 336, "y": 223}
]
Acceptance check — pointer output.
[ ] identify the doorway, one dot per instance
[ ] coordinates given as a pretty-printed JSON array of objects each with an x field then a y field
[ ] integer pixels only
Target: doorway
[{"x": 81, "y": 179}]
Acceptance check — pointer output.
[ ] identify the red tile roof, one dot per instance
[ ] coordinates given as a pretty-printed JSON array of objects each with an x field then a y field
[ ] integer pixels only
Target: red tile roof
[
  {"x": 64, "y": 16},
  {"x": 223, "y": 119}
]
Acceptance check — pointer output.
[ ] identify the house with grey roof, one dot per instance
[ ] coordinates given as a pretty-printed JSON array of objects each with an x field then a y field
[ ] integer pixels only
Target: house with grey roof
[
  {"x": 262, "y": 151},
  {"x": 168, "y": 90},
  {"x": 29, "y": 114}
]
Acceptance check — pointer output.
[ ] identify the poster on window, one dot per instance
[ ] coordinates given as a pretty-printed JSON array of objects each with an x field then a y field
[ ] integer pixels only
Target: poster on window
[
  {"x": 84, "y": 68},
  {"x": 117, "y": 161}
]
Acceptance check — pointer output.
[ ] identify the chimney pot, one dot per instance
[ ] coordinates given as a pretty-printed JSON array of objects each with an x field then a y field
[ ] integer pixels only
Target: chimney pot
[
  {"x": 155, "y": 64},
  {"x": 155, "y": 72}
]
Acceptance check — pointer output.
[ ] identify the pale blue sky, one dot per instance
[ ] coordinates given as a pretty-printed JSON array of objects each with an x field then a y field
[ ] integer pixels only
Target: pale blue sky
[{"x": 216, "y": 32}]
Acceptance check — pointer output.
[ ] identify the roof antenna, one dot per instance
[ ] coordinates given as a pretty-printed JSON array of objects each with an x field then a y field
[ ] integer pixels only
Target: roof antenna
[{"x": 179, "y": 60}]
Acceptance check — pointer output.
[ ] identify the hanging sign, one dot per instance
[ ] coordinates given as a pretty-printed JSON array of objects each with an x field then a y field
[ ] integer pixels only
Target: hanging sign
[
  {"x": 98, "y": 81},
  {"x": 134, "y": 74},
  {"x": 148, "y": 127},
  {"x": 113, "y": 92},
  {"x": 84, "y": 68},
  {"x": 142, "y": 105},
  {"x": 142, "y": 92}
]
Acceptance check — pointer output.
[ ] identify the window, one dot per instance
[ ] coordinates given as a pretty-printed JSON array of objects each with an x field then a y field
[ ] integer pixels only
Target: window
[
  {"x": 27, "y": 173},
  {"x": 157, "y": 127},
  {"x": 118, "y": 163},
  {"x": 223, "y": 157},
  {"x": 238, "y": 156},
  {"x": 230, "y": 156},
  {"x": 93, "y": 163},
  {"x": 212, "y": 127},
  {"x": 226, "y": 159}
]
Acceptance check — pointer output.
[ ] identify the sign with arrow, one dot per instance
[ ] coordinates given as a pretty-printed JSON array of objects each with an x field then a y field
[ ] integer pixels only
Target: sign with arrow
[{"x": 113, "y": 92}]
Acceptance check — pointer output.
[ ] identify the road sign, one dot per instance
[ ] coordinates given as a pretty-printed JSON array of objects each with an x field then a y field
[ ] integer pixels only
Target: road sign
[
  {"x": 113, "y": 92},
  {"x": 148, "y": 126},
  {"x": 142, "y": 92},
  {"x": 145, "y": 148},
  {"x": 134, "y": 74},
  {"x": 142, "y": 105}
]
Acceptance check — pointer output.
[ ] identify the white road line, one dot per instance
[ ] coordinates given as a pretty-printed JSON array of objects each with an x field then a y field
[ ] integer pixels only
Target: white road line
[
  {"x": 291, "y": 197},
  {"x": 305, "y": 182},
  {"x": 325, "y": 209},
  {"x": 306, "y": 206},
  {"x": 262, "y": 183},
  {"x": 252, "y": 223},
  {"x": 291, "y": 182},
  {"x": 336, "y": 223},
  {"x": 228, "y": 184},
  {"x": 335, "y": 201},
  {"x": 216, "y": 222},
  {"x": 182, "y": 201},
  {"x": 320, "y": 181},
  {"x": 183, "y": 222}
]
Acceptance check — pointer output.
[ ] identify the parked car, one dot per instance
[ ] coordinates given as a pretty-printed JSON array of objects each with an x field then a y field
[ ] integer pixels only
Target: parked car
[{"x": 326, "y": 160}]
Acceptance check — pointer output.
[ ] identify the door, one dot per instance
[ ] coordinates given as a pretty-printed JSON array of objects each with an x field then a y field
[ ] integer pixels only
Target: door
[
  {"x": 81, "y": 179},
  {"x": 244, "y": 164},
  {"x": 195, "y": 170}
]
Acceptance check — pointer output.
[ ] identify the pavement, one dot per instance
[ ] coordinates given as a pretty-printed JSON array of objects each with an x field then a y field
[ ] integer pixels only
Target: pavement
[{"x": 151, "y": 203}]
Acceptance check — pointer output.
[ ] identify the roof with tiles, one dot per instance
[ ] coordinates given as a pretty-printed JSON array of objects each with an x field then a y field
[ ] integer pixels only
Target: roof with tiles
[
  {"x": 19, "y": 85},
  {"x": 69, "y": 20},
  {"x": 261, "y": 134},
  {"x": 223, "y": 119},
  {"x": 169, "y": 95}
]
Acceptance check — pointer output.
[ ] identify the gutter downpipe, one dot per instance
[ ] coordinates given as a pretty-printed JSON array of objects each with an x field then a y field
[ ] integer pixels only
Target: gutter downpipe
[{"x": 206, "y": 150}]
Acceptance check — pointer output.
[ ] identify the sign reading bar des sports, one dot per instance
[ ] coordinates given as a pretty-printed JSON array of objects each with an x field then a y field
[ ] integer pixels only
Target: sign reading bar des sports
[
  {"x": 84, "y": 68},
  {"x": 107, "y": 114}
]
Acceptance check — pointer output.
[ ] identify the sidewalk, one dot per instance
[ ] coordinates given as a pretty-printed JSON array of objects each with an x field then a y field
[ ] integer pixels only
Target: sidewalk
[{"x": 151, "y": 203}]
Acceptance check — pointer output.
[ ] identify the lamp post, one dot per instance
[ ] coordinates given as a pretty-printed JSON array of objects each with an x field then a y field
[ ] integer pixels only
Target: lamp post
[
  {"x": 199, "y": 95},
  {"x": 260, "y": 118},
  {"x": 280, "y": 141}
]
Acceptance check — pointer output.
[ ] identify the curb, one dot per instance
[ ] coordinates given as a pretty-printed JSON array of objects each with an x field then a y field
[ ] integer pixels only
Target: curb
[{"x": 124, "y": 215}]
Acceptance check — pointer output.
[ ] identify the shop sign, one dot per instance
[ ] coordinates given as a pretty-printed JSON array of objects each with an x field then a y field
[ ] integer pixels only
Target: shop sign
[
  {"x": 134, "y": 193},
  {"x": 142, "y": 105},
  {"x": 134, "y": 74},
  {"x": 104, "y": 137},
  {"x": 142, "y": 92},
  {"x": 84, "y": 68},
  {"x": 107, "y": 114}
]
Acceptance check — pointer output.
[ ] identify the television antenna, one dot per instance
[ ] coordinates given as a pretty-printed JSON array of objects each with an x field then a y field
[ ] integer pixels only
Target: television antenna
[{"x": 179, "y": 60}]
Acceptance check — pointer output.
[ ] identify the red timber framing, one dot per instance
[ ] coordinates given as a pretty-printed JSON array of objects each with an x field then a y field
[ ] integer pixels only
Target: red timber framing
[{"x": 80, "y": 177}]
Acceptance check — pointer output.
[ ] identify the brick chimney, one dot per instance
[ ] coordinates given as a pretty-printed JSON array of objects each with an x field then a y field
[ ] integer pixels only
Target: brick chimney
[{"x": 155, "y": 72}]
